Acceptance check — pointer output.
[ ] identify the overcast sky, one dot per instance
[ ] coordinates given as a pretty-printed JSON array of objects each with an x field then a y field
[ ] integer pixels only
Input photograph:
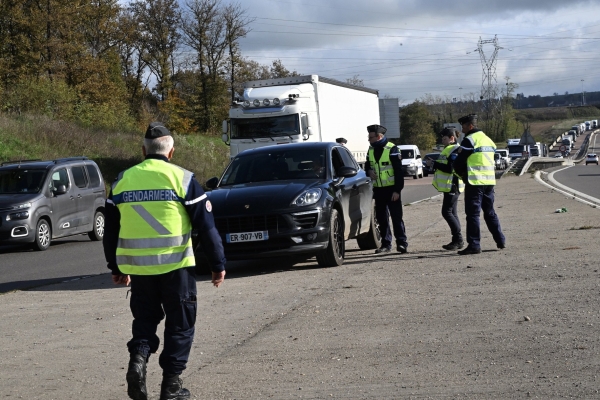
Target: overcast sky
[{"x": 408, "y": 48}]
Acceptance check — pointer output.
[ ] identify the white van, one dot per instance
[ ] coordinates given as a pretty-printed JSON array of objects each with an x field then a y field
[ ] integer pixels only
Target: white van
[{"x": 411, "y": 160}]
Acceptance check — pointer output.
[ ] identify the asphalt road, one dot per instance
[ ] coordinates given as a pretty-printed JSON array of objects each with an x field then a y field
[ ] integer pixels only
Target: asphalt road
[
  {"x": 76, "y": 257},
  {"x": 582, "y": 178}
]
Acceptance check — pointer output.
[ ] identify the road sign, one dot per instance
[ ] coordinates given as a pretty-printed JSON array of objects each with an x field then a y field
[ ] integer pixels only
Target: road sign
[
  {"x": 527, "y": 139},
  {"x": 563, "y": 148}
]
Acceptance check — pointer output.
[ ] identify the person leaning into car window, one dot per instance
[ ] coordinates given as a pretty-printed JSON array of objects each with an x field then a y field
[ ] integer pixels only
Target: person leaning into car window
[
  {"x": 150, "y": 213},
  {"x": 448, "y": 183},
  {"x": 384, "y": 167}
]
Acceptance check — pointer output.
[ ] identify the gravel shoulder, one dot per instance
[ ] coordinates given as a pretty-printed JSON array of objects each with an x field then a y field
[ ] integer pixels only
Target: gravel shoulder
[{"x": 514, "y": 323}]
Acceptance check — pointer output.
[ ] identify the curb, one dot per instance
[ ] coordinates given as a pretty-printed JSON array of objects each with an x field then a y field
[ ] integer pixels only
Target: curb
[{"x": 568, "y": 192}]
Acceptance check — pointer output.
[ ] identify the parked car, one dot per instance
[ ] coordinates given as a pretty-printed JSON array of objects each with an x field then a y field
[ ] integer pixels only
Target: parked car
[
  {"x": 301, "y": 198},
  {"x": 412, "y": 164},
  {"x": 499, "y": 162},
  {"x": 44, "y": 200},
  {"x": 558, "y": 155},
  {"x": 429, "y": 169},
  {"x": 591, "y": 158}
]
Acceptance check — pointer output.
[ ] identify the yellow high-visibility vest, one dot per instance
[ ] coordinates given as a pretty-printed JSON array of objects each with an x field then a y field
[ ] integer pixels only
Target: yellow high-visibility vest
[
  {"x": 480, "y": 164},
  {"x": 442, "y": 181},
  {"x": 383, "y": 169},
  {"x": 156, "y": 232}
]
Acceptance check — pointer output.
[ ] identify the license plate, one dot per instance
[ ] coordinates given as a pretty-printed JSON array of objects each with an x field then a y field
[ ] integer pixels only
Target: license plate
[{"x": 247, "y": 236}]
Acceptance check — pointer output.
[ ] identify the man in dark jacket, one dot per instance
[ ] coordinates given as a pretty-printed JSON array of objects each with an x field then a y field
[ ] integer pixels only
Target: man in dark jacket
[
  {"x": 384, "y": 167},
  {"x": 150, "y": 213},
  {"x": 475, "y": 165}
]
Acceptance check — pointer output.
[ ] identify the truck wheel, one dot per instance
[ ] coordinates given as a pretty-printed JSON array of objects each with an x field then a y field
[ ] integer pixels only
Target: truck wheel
[
  {"x": 333, "y": 255},
  {"x": 43, "y": 235},
  {"x": 372, "y": 239},
  {"x": 415, "y": 176},
  {"x": 98, "y": 232}
]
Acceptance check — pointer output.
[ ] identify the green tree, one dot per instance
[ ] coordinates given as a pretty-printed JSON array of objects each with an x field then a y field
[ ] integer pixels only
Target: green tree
[{"x": 416, "y": 126}]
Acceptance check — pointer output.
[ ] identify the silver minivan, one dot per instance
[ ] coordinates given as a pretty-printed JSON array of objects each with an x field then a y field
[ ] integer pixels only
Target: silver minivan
[{"x": 44, "y": 200}]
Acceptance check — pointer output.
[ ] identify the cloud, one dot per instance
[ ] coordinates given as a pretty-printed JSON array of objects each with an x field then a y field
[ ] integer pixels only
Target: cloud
[{"x": 409, "y": 48}]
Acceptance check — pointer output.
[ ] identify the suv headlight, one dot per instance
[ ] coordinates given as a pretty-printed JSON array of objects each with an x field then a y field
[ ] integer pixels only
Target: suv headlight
[
  {"x": 307, "y": 198},
  {"x": 23, "y": 206},
  {"x": 21, "y": 213}
]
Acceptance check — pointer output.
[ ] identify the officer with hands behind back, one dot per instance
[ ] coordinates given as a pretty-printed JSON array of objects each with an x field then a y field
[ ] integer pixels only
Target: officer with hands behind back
[
  {"x": 475, "y": 165},
  {"x": 384, "y": 167},
  {"x": 150, "y": 213},
  {"x": 448, "y": 183}
]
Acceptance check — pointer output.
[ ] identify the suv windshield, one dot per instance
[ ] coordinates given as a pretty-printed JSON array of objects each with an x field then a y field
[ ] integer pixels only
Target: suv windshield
[
  {"x": 277, "y": 165},
  {"x": 21, "y": 181}
]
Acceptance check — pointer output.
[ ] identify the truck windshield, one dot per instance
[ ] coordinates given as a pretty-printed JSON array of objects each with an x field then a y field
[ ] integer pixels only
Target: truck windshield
[
  {"x": 284, "y": 125},
  {"x": 21, "y": 181},
  {"x": 276, "y": 165}
]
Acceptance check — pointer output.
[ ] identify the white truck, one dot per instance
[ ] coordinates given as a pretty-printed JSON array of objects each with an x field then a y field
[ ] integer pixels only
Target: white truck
[
  {"x": 516, "y": 150},
  {"x": 307, "y": 108}
]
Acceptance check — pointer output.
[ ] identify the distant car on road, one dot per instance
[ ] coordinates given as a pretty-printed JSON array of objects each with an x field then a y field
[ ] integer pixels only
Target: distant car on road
[
  {"x": 499, "y": 161},
  {"x": 558, "y": 155},
  {"x": 591, "y": 158},
  {"x": 293, "y": 199}
]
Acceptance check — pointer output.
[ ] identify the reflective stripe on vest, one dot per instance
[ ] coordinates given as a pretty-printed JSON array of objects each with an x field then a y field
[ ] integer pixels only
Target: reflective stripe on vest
[
  {"x": 155, "y": 234},
  {"x": 383, "y": 169},
  {"x": 481, "y": 168},
  {"x": 442, "y": 181}
]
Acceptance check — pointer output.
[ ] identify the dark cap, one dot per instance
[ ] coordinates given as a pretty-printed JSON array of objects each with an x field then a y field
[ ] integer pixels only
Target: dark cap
[
  {"x": 468, "y": 119},
  {"x": 341, "y": 140},
  {"x": 450, "y": 132},
  {"x": 156, "y": 130},
  {"x": 376, "y": 129}
]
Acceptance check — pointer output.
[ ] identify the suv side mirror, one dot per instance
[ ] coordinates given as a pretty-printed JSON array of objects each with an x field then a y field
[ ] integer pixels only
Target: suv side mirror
[
  {"x": 61, "y": 189},
  {"x": 212, "y": 183}
]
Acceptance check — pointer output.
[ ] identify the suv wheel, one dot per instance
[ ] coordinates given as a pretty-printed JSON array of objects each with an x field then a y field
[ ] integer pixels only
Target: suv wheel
[
  {"x": 43, "y": 235},
  {"x": 98, "y": 232},
  {"x": 333, "y": 255},
  {"x": 372, "y": 239}
]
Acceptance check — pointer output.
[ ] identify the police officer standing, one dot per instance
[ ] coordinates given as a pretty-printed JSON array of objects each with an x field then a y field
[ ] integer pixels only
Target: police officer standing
[
  {"x": 448, "y": 183},
  {"x": 150, "y": 212},
  {"x": 384, "y": 167},
  {"x": 475, "y": 164}
]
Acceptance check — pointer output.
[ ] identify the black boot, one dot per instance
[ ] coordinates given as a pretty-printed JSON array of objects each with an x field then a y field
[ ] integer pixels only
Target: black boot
[
  {"x": 136, "y": 377},
  {"x": 172, "y": 388}
]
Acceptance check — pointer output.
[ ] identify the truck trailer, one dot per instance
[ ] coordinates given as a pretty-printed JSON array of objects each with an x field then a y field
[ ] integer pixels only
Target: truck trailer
[{"x": 297, "y": 109}]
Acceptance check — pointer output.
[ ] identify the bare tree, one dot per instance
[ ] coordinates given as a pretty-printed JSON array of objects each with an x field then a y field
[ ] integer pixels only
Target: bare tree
[
  {"x": 158, "y": 23},
  {"x": 202, "y": 31},
  {"x": 356, "y": 81},
  {"x": 236, "y": 23}
]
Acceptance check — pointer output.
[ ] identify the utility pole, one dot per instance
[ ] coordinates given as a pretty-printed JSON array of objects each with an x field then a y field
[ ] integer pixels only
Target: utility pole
[{"x": 582, "y": 94}]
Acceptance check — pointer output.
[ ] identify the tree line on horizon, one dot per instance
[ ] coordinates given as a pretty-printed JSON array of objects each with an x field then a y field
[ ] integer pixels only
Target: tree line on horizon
[{"x": 101, "y": 63}]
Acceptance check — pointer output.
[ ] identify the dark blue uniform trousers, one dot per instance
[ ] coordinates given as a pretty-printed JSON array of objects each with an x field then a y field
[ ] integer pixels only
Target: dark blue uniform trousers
[
  {"x": 384, "y": 209},
  {"x": 481, "y": 198},
  {"x": 450, "y": 214},
  {"x": 152, "y": 298}
]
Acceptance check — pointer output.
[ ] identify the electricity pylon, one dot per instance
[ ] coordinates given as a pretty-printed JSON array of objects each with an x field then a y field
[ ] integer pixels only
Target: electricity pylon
[{"x": 489, "y": 84}]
